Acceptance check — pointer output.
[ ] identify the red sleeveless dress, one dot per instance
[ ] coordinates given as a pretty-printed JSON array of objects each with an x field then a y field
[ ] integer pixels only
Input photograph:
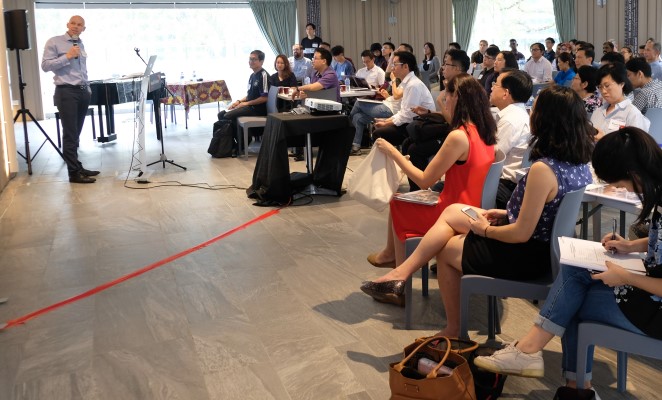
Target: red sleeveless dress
[{"x": 463, "y": 184}]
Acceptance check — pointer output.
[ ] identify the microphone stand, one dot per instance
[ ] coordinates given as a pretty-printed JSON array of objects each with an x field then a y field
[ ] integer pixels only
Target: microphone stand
[{"x": 157, "y": 113}]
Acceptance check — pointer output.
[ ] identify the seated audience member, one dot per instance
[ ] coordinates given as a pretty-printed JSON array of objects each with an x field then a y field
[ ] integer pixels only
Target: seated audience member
[
  {"x": 585, "y": 83},
  {"x": 324, "y": 77},
  {"x": 283, "y": 75},
  {"x": 561, "y": 48},
  {"x": 627, "y": 158},
  {"x": 415, "y": 94},
  {"x": 406, "y": 47},
  {"x": 538, "y": 67},
  {"x": 380, "y": 60},
  {"x": 505, "y": 59},
  {"x": 464, "y": 158},
  {"x": 476, "y": 58},
  {"x": 584, "y": 57},
  {"x": 486, "y": 76},
  {"x": 454, "y": 46},
  {"x": 513, "y": 49},
  {"x": 652, "y": 56},
  {"x": 566, "y": 68},
  {"x": 255, "y": 101},
  {"x": 502, "y": 243},
  {"x": 612, "y": 57},
  {"x": 301, "y": 65},
  {"x": 641, "y": 50},
  {"x": 510, "y": 93},
  {"x": 341, "y": 65},
  {"x": 326, "y": 45},
  {"x": 626, "y": 51},
  {"x": 431, "y": 62},
  {"x": 364, "y": 113},
  {"x": 549, "y": 53},
  {"x": 608, "y": 47},
  {"x": 388, "y": 49},
  {"x": 648, "y": 91},
  {"x": 374, "y": 75},
  {"x": 616, "y": 110}
]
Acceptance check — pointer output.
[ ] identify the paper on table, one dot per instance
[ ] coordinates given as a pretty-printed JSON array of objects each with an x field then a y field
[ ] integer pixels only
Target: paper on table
[
  {"x": 591, "y": 255},
  {"x": 611, "y": 192}
]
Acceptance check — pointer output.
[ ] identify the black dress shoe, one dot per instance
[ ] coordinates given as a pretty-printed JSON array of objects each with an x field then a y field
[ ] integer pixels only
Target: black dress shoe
[
  {"x": 298, "y": 157},
  {"x": 392, "y": 292},
  {"x": 88, "y": 172},
  {"x": 80, "y": 178}
]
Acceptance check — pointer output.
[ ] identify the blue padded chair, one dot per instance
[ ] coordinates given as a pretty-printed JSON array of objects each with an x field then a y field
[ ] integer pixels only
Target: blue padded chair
[
  {"x": 655, "y": 130},
  {"x": 564, "y": 225},
  {"x": 488, "y": 200}
]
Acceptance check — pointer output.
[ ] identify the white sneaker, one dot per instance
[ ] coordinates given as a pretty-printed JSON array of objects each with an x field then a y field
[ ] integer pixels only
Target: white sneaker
[{"x": 511, "y": 361}]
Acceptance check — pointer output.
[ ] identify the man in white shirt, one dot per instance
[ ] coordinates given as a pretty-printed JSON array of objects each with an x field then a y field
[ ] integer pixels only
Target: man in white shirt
[
  {"x": 415, "y": 94},
  {"x": 538, "y": 67},
  {"x": 509, "y": 93},
  {"x": 652, "y": 55},
  {"x": 300, "y": 64},
  {"x": 374, "y": 75}
]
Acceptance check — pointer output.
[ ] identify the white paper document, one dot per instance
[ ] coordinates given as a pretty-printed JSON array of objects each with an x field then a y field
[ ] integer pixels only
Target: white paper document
[{"x": 591, "y": 255}]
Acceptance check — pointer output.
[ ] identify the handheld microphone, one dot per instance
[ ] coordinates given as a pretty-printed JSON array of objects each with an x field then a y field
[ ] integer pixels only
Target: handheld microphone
[{"x": 74, "y": 38}]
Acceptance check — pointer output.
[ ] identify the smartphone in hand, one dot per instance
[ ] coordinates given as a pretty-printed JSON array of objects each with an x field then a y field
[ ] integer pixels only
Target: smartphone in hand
[{"x": 470, "y": 212}]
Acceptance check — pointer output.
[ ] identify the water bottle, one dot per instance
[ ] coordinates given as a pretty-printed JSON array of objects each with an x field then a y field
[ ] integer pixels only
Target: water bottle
[
  {"x": 193, "y": 76},
  {"x": 181, "y": 77},
  {"x": 306, "y": 80},
  {"x": 347, "y": 84}
]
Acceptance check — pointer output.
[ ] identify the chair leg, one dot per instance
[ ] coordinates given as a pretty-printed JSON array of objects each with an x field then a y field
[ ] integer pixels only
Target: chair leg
[
  {"x": 57, "y": 125},
  {"x": 408, "y": 301},
  {"x": 622, "y": 370},
  {"x": 425, "y": 273},
  {"x": 497, "y": 319},
  {"x": 491, "y": 335},
  {"x": 199, "y": 116}
]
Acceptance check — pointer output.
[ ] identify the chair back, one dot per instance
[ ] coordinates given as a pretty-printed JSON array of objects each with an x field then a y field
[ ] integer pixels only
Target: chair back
[
  {"x": 564, "y": 224},
  {"x": 325, "y": 94},
  {"x": 491, "y": 184},
  {"x": 655, "y": 130},
  {"x": 526, "y": 157},
  {"x": 272, "y": 100}
]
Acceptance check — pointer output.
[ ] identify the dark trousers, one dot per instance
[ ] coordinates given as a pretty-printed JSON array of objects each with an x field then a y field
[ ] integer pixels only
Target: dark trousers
[
  {"x": 419, "y": 155},
  {"x": 392, "y": 134},
  {"x": 504, "y": 191},
  {"x": 72, "y": 103},
  {"x": 231, "y": 116}
]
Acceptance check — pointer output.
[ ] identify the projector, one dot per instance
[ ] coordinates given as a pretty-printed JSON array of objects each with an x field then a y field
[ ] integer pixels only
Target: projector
[{"x": 321, "y": 106}]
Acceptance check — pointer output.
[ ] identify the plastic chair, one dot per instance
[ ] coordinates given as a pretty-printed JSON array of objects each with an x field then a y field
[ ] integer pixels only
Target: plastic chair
[
  {"x": 624, "y": 342},
  {"x": 564, "y": 225},
  {"x": 488, "y": 199},
  {"x": 655, "y": 130},
  {"x": 246, "y": 123}
]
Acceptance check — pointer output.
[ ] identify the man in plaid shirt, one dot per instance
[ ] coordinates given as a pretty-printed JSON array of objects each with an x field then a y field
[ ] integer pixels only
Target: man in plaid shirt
[{"x": 648, "y": 91}]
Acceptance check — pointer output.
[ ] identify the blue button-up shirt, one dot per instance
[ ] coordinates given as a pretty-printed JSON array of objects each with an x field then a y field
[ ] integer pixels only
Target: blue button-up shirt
[{"x": 67, "y": 72}]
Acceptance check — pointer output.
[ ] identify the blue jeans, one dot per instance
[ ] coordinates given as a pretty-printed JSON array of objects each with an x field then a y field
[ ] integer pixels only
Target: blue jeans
[
  {"x": 573, "y": 298},
  {"x": 364, "y": 113}
]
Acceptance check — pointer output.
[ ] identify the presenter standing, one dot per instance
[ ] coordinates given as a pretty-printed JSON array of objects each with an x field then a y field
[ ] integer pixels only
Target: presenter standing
[{"x": 65, "y": 56}]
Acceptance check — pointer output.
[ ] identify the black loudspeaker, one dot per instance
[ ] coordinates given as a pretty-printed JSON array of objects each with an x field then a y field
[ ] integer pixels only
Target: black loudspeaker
[{"x": 16, "y": 29}]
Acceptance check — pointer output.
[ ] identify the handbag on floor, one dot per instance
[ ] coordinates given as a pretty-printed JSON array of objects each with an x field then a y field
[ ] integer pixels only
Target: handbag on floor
[
  {"x": 407, "y": 382},
  {"x": 375, "y": 180}
]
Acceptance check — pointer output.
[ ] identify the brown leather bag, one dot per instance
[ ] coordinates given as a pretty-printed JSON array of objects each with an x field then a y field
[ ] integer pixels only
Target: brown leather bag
[{"x": 408, "y": 383}]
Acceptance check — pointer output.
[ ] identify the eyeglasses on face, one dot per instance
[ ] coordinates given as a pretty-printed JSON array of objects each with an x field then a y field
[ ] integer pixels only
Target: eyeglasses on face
[
  {"x": 399, "y": 64},
  {"x": 488, "y": 57},
  {"x": 449, "y": 65},
  {"x": 253, "y": 59}
]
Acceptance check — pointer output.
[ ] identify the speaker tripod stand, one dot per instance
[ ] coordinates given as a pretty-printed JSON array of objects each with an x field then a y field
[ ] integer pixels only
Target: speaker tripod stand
[{"x": 22, "y": 113}]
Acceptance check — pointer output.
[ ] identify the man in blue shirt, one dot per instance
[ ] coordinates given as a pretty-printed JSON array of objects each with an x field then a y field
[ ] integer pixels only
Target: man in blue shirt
[
  {"x": 342, "y": 65},
  {"x": 65, "y": 56}
]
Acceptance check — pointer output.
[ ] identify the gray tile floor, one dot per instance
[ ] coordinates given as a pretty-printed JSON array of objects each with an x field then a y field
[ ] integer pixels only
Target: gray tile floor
[{"x": 270, "y": 312}]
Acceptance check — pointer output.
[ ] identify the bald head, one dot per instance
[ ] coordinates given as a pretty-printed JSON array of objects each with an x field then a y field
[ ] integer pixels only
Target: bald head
[{"x": 76, "y": 25}]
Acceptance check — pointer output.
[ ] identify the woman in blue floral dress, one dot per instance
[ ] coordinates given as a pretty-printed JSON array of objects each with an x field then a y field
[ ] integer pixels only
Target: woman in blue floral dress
[{"x": 631, "y": 159}]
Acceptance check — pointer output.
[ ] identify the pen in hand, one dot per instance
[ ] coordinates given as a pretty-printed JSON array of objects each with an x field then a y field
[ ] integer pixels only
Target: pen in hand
[{"x": 613, "y": 234}]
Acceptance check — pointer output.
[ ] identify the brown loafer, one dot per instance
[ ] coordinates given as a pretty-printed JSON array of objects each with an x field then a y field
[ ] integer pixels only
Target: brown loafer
[{"x": 372, "y": 259}]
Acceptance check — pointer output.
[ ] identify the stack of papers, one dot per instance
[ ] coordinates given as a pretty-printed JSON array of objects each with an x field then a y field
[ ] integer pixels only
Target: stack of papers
[{"x": 591, "y": 255}]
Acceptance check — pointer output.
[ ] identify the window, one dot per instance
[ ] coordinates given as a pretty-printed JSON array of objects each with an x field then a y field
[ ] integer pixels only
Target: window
[
  {"x": 498, "y": 21},
  {"x": 213, "y": 42}
]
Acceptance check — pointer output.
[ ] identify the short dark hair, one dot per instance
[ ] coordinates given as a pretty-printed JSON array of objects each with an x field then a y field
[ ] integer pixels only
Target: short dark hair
[
  {"x": 326, "y": 44},
  {"x": 408, "y": 58},
  {"x": 569, "y": 138},
  {"x": 311, "y": 24},
  {"x": 455, "y": 45},
  {"x": 566, "y": 57},
  {"x": 518, "y": 83},
  {"x": 637, "y": 64},
  {"x": 618, "y": 73},
  {"x": 631, "y": 154},
  {"x": 540, "y": 46},
  {"x": 337, "y": 50},
  {"x": 492, "y": 51},
  {"x": 588, "y": 53},
  {"x": 461, "y": 57},
  {"x": 589, "y": 75},
  {"x": 376, "y": 47},
  {"x": 472, "y": 106},
  {"x": 408, "y": 47},
  {"x": 510, "y": 58},
  {"x": 389, "y": 44},
  {"x": 367, "y": 53},
  {"x": 586, "y": 46},
  {"x": 608, "y": 43},
  {"x": 259, "y": 54},
  {"x": 550, "y": 39},
  {"x": 642, "y": 46},
  {"x": 325, "y": 54},
  {"x": 612, "y": 56}
]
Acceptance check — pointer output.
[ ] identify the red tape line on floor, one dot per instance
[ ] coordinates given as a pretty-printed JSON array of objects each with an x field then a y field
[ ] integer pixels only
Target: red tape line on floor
[{"x": 141, "y": 271}]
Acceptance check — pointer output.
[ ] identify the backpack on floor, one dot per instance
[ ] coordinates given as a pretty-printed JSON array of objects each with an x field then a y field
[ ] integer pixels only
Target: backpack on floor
[{"x": 223, "y": 141}]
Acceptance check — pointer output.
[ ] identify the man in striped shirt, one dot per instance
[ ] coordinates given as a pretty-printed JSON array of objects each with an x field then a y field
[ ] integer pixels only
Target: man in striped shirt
[{"x": 648, "y": 90}]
